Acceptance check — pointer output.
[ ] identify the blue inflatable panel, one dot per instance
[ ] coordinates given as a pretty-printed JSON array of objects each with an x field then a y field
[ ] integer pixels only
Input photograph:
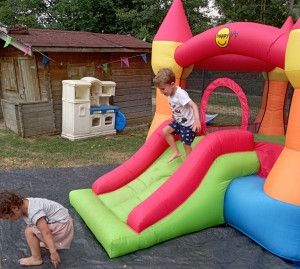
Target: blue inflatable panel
[
  {"x": 103, "y": 109},
  {"x": 273, "y": 224}
]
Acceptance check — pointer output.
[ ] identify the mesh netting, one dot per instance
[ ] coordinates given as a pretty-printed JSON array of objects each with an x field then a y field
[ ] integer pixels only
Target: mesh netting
[{"x": 224, "y": 102}]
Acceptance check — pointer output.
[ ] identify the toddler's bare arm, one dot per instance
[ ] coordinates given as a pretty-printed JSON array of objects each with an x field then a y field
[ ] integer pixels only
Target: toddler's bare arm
[
  {"x": 196, "y": 125},
  {"x": 44, "y": 229}
]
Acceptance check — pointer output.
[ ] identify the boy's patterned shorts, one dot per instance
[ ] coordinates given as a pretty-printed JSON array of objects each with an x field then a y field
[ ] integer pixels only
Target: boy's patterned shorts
[{"x": 187, "y": 135}]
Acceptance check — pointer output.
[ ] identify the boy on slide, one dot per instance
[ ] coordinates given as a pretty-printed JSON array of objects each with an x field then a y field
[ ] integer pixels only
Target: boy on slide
[{"x": 185, "y": 113}]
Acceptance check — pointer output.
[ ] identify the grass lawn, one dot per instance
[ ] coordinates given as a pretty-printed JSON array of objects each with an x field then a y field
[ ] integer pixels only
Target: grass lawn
[
  {"x": 54, "y": 151},
  {"x": 273, "y": 139}
]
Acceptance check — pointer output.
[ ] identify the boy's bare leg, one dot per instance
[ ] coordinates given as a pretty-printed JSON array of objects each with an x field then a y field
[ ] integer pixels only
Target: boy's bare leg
[
  {"x": 188, "y": 149},
  {"x": 34, "y": 245},
  {"x": 167, "y": 132}
]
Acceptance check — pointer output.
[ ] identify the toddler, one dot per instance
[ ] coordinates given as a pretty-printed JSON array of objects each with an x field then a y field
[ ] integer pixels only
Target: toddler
[{"x": 49, "y": 225}]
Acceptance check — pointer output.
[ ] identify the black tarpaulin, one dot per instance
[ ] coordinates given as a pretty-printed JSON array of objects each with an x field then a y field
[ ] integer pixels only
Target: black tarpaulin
[{"x": 213, "y": 248}]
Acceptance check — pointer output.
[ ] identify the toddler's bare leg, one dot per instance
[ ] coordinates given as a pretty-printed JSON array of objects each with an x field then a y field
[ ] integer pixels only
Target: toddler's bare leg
[
  {"x": 167, "y": 132},
  {"x": 188, "y": 149},
  {"x": 34, "y": 245},
  {"x": 43, "y": 245}
]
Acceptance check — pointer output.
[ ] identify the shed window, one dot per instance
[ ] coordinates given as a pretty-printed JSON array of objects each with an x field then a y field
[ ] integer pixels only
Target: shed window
[
  {"x": 8, "y": 75},
  {"x": 80, "y": 70}
]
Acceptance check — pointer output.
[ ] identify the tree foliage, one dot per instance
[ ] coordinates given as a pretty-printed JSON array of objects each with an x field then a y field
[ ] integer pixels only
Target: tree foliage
[
  {"x": 140, "y": 18},
  {"x": 144, "y": 17},
  {"x": 28, "y": 12},
  {"x": 83, "y": 15},
  {"x": 270, "y": 12}
]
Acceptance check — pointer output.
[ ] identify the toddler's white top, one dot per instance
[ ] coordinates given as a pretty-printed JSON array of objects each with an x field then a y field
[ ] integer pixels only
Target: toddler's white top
[{"x": 50, "y": 210}]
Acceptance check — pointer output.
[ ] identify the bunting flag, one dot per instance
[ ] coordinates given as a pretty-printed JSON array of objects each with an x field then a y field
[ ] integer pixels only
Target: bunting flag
[
  {"x": 26, "y": 50},
  {"x": 105, "y": 67},
  {"x": 101, "y": 68},
  {"x": 45, "y": 60},
  {"x": 144, "y": 57},
  {"x": 125, "y": 61},
  {"x": 8, "y": 40},
  {"x": 144, "y": 39}
]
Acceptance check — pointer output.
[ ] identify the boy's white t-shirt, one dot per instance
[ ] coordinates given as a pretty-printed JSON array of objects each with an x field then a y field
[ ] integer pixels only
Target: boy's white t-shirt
[
  {"x": 52, "y": 211},
  {"x": 182, "y": 112}
]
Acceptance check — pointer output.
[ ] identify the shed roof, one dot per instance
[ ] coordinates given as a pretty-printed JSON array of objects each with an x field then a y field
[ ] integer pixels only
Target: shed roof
[{"x": 58, "y": 40}]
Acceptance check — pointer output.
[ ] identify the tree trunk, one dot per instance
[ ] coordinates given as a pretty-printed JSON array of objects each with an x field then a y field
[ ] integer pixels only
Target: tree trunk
[{"x": 291, "y": 6}]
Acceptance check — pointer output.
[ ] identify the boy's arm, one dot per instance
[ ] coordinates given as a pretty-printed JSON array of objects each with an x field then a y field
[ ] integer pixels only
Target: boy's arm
[
  {"x": 196, "y": 127},
  {"x": 42, "y": 225}
]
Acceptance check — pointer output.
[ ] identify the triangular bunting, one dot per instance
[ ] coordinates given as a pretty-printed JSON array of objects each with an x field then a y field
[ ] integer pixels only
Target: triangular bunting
[
  {"x": 26, "y": 50},
  {"x": 144, "y": 57},
  {"x": 101, "y": 68},
  {"x": 45, "y": 60},
  {"x": 7, "y": 42},
  {"x": 125, "y": 61},
  {"x": 144, "y": 39},
  {"x": 105, "y": 67}
]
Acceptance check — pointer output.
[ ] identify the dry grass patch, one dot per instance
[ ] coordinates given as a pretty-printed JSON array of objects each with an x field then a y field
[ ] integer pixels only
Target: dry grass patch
[
  {"x": 16, "y": 163},
  {"x": 55, "y": 151}
]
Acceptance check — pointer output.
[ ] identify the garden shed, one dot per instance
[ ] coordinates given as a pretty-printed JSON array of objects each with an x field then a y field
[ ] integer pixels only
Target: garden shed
[{"x": 35, "y": 61}]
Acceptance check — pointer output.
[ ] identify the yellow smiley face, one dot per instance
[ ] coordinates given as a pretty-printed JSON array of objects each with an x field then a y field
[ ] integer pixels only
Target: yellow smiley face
[{"x": 222, "y": 37}]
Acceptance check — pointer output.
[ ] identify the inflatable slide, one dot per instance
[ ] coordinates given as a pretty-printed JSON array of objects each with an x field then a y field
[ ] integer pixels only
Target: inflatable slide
[{"x": 146, "y": 200}]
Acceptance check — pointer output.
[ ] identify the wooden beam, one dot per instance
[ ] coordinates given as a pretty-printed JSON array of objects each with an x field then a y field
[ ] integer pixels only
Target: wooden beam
[
  {"x": 62, "y": 49},
  {"x": 17, "y": 44}
]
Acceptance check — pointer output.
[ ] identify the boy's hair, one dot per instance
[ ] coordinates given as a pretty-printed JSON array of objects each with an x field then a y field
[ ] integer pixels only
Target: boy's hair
[
  {"x": 164, "y": 75},
  {"x": 7, "y": 200}
]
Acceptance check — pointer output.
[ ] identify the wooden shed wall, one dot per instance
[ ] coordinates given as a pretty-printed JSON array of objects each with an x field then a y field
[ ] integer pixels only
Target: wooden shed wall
[
  {"x": 1, "y": 113},
  {"x": 36, "y": 118},
  {"x": 30, "y": 118},
  {"x": 11, "y": 52},
  {"x": 11, "y": 116},
  {"x": 133, "y": 91},
  {"x": 18, "y": 96}
]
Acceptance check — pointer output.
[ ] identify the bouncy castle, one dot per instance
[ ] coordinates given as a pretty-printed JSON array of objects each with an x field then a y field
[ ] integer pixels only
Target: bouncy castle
[{"x": 228, "y": 177}]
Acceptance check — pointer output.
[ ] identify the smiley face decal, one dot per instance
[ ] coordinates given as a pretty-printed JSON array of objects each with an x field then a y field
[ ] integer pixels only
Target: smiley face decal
[{"x": 222, "y": 37}]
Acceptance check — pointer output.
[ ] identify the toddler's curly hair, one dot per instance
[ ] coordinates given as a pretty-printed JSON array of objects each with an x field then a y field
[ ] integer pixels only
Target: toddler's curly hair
[{"x": 7, "y": 200}]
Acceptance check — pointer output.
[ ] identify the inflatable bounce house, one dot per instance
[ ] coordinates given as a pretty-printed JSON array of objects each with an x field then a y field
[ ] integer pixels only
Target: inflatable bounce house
[{"x": 228, "y": 177}]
